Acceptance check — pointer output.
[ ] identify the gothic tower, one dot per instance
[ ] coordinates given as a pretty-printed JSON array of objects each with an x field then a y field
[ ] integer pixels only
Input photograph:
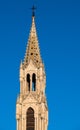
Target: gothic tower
[{"x": 31, "y": 106}]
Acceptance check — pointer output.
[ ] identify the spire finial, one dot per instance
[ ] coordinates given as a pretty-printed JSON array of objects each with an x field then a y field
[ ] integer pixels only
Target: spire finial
[{"x": 33, "y": 10}]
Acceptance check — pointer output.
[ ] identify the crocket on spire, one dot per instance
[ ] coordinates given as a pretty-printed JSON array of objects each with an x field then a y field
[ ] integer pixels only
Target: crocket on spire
[{"x": 33, "y": 51}]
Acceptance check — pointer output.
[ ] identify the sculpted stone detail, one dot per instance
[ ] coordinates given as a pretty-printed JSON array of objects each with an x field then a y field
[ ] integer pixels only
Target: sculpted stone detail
[{"x": 31, "y": 105}]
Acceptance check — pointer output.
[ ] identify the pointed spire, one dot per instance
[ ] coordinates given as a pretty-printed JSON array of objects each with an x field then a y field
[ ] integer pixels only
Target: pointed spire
[{"x": 33, "y": 51}]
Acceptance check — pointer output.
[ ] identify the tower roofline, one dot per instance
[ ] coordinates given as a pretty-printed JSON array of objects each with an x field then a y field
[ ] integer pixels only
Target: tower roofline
[{"x": 33, "y": 50}]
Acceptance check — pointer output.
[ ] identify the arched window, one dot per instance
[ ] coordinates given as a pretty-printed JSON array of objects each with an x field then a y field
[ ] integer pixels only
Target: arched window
[
  {"x": 33, "y": 82},
  {"x": 30, "y": 120},
  {"x": 28, "y": 81}
]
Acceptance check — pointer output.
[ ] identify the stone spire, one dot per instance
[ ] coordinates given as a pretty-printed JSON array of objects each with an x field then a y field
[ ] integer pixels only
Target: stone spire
[
  {"x": 31, "y": 105},
  {"x": 33, "y": 51}
]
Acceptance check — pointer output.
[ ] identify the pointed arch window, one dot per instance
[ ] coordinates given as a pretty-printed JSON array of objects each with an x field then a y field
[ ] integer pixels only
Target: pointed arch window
[
  {"x": 30, "y": 120},
  {"x": 28, "y": 81},
  {"x": 34, "y": 82}
]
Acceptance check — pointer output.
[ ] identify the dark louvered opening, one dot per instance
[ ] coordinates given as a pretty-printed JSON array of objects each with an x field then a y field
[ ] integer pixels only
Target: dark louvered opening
[{"x": 30, "y": 119}]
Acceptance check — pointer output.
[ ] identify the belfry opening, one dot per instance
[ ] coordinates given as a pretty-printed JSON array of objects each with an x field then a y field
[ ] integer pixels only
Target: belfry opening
[
  {"x": 28, "y": 81},
  {"x": 34, "y": 82}
]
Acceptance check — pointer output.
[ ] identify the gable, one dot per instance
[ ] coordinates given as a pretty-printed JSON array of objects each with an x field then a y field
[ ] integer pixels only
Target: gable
[
  {"x": 31, "y": 66},
  {"x": 29, "y": 99}
]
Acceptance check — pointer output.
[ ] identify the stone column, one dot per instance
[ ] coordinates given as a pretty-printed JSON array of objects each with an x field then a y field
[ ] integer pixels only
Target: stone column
[
  {"x": 30, "y": 82},
  {"x": 17, "y": 125},
  {"x": 35, "y": 123},
  {"x": 25, "y": 122},
  {"x": 41, "y": 123},
  {"x": 44, "y": 123}
]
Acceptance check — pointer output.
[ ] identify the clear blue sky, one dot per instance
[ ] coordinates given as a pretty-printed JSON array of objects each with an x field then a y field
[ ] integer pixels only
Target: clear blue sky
[{"x": 58, "y": 28}]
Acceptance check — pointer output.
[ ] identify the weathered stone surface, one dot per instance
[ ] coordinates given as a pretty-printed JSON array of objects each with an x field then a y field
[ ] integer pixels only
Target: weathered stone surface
[{"x": 32, "y": 87}]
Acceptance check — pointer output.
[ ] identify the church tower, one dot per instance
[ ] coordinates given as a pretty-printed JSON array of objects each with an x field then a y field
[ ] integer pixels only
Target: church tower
[{"x": 31, "y": 105}]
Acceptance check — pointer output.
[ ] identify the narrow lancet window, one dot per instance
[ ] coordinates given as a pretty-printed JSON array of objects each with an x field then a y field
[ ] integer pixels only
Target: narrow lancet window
[
  {"x": 33, "y": 82},
  {"x": 30, "y": 120},
  {"x": 28, "y": 81}
]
